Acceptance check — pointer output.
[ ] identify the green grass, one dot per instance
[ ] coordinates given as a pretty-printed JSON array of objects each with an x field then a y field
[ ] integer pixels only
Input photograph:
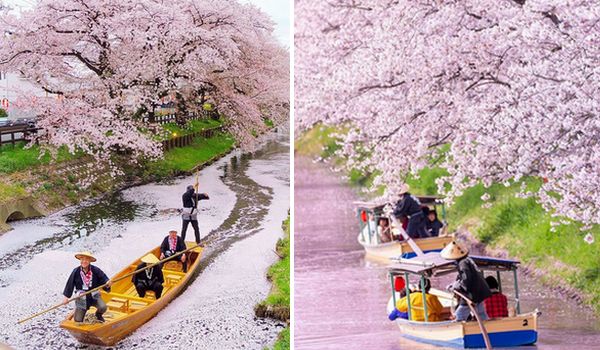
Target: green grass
[
  {"x": 17, "y": 158},
  {"x": 279, "y": 273},
  {"x": 317, "y": 142},
  {"x": 192, "y": 126},
  {"x": 184, "y": 159},
  {"x": 519, "y": 225},
  {"x": 283, "y": 341},
  {"x": 269, "y": 123},
  {"x": 10, "y": 191}
]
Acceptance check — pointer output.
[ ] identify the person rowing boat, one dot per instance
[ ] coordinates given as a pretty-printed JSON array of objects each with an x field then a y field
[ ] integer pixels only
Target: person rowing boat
[{"x": 83, "y": 278}]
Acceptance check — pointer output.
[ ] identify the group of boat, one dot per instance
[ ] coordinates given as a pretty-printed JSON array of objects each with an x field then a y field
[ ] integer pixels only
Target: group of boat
[{"x": 414, "y": 260}]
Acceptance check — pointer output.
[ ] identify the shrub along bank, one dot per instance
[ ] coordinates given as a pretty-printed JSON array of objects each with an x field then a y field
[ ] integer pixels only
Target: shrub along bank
[{"x": 519, "y": 226}]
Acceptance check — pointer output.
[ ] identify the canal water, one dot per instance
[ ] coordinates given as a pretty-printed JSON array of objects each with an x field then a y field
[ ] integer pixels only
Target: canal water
[
  {"x": 340, "y": 298},
  {"x": 249, "y": 198}
]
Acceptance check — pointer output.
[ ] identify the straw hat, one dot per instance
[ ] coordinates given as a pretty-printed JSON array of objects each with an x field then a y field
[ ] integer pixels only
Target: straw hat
[
  {"x": 404, "y": 188},
  {"x": 150, "y": 259},
  {"x": 454, "y": 251},
  {"x": 86, "y": 253}
]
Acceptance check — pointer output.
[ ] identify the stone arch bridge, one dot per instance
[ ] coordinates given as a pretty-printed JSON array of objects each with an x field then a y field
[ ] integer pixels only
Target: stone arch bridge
[{"x": 18, "y": 209}]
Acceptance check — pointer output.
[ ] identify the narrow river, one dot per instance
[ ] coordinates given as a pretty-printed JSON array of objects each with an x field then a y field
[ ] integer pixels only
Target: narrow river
[
  {"x": 249, "y": 198},
  {"x": 340, "y": 298}
]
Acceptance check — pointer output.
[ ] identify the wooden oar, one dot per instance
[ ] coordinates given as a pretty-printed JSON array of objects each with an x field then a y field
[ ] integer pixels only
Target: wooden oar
[
  {"x": 104, "y": 285},
  {"x": 486, "y": 338}
]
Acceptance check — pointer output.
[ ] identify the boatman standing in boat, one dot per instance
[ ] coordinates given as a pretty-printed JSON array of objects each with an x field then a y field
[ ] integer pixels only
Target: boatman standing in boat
[
  {"x": 190, "y": 210},
  {"x": 409, "y": 206},
  {"x": 150, "y": 279},
  {"x": 469, "y": 282},
  {"x": 83, "y": 278}
]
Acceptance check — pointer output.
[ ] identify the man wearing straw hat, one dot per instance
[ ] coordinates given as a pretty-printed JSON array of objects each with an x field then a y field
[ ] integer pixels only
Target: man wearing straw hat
[
  {"x": 409, "y": 206},
  {"x": 83, "y": 278},
  {"x": 469, "y": 282},
  {"x": 150, "y": 279}
]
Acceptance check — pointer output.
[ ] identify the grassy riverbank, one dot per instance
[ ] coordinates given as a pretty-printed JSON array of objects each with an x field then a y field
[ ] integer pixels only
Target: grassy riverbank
[
  {"x": 517, "y": 225},
  {"x": 55, "y": 185},
  {"x": 18, "y": 157},
  {"x": 185, "y": 159},
  {"x": 277, "y": 303}
]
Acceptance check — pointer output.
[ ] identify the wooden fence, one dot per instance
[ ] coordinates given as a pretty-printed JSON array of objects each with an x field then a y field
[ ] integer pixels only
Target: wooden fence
[
  {"x": 16, "y": 133},
  {"x": 185, "y": 140},
  {"x": 172, "y": 118}
]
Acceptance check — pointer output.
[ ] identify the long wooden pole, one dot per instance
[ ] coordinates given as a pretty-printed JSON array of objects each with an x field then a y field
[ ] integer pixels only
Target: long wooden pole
[
  {"x": 486, "y": 338},
  {"x": 104, "y": 285}
]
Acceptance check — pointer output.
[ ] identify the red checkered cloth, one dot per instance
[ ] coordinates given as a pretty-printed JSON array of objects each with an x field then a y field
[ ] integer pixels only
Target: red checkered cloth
[{"x": 496, "y": 306}]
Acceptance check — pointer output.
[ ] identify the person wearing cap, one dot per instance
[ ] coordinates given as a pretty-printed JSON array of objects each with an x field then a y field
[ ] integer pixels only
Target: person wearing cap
[
  {"x": 149, "y": 279},
  {"x": 496, "y": 305},
  {"x": 190, "y": 210},
  {"x": 469, "y": 282},
  {"x": 417, "y": 311},
  {"x": 409, "y": 206},
  {"x": 82, "y": 279},
  {"x": 172, "y": 244}
]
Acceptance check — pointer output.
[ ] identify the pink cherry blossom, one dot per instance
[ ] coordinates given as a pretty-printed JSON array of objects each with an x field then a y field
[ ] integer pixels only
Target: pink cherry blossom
[
  {"x": 492, "y": 91},
  {"x": 104, "y": 63}
]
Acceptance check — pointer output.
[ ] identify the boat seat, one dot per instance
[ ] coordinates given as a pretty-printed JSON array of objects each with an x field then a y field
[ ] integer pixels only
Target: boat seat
[
  {"x": 135, "y": 305},
  {"x": 173, "y": 266},
  {"x": 172, "y": 278},
  {"x": 117, "y": 305},
  {"x": 150, "y": 295}
]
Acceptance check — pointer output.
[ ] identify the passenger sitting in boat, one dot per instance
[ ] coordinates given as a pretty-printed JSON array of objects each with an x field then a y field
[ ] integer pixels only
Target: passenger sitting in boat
[
  {"x": 384, "y": 230},
  {"x": 409, "y": 206},
  {"x": 497, "y": 304},
  {"x": 469, "y": 282},
  {"x": 369, "y": 229},
  {"x": 434, "y": 307},
  {"x": 172, "y": 244},
  {"x": 433, "y": 225},
  {"x": 150, "y": 279},
  {"x": 397, "y": 314},
  {"x": 82, "y": 279}
]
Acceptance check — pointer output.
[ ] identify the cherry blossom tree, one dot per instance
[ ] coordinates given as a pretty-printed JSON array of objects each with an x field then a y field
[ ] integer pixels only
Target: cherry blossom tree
[
  {"x": 104, "y": 63},
  {"x": 510, "y": 87}
]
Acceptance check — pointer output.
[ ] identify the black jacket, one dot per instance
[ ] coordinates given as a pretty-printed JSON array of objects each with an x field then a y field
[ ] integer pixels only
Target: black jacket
[
  {"x": 75, "y": 283},
  {"x": 408, "y": 205},
  {"x": 157, "y": 274},
  {"x": 190, "y": 198},
  {"x": 433, "y": 227},
  {"x": 165, "y": 248},
  {"x": 470, "y": 282}
]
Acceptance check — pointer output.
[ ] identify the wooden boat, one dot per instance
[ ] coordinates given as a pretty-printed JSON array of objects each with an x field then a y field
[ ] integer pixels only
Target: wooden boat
[
  {"x": 126, "y": 310},
  {"x": 369, "y": 214},
  {"x": 397, "y": 249},
  {"x": 517, "y": 330}
]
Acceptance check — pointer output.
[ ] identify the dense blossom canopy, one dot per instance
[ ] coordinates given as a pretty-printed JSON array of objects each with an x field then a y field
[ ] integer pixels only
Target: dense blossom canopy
[
  {"x": 106, "y": 62},
  {"x": 511, "y": 87}
]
